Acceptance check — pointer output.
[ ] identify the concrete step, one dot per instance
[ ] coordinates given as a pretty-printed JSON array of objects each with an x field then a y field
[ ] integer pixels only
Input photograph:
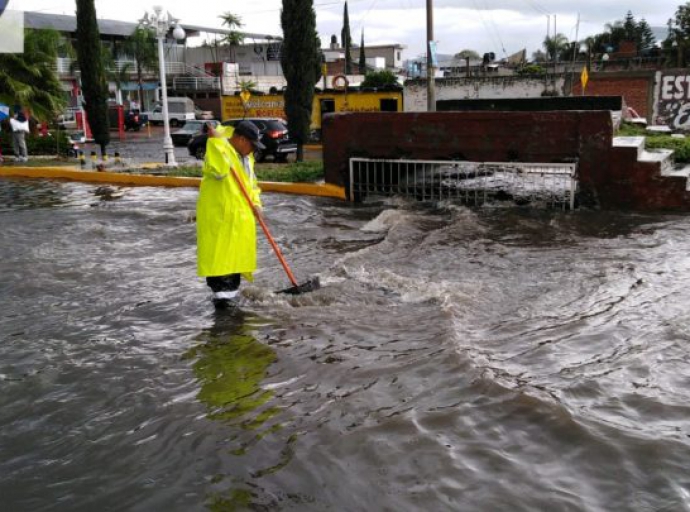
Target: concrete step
[
  {"x": 634, "y": 143},
  {"x": 679, "y": 172},
  {"x": 663, "y": 157}
]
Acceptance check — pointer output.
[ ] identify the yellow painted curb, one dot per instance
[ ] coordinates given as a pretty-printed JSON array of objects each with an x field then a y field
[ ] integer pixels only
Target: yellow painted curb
[
  {"x": 144, "y": 180},
  {"x": 72, "y": 174},
  {"x": 304, "y": 189}
]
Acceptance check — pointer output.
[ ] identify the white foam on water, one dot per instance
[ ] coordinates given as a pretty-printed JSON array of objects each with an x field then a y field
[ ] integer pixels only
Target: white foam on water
[
  {"x": 411, "y": 289},
  {"x": 385, "y": 221}
]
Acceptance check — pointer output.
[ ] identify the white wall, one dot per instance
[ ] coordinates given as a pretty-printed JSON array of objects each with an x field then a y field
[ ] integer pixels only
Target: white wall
[{"x": 414, "y": 94}]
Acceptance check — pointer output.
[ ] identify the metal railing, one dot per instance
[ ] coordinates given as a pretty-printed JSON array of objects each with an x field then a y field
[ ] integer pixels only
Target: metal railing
[
  {"x": 67, "y": 65},
  {"x": 551, "y": 185},
  {"x": 195, "y": 83}
]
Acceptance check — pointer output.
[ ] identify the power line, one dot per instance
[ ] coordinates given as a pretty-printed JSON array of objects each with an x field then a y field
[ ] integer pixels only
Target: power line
[
  {"x": 498, "y": 35},
  {"x": 534, "y": 5},
  {"x": 481, "y": 17}
]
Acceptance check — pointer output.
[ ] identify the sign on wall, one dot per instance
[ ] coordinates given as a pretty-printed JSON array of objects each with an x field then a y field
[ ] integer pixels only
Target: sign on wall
[{"x": 674, "y": 100}]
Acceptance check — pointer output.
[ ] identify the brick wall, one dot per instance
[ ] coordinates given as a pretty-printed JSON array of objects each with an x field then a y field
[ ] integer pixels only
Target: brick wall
[
  {"x": 636, "y": 89},
  {"x": 610, "y": 177}
]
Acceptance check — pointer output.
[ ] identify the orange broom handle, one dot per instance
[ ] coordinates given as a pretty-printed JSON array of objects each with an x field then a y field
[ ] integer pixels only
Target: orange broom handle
[{"x": 260, "y": 218}]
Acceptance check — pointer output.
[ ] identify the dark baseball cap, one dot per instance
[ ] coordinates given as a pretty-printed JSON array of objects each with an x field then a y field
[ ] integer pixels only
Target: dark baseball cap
[{"x": 249, "y": 131}]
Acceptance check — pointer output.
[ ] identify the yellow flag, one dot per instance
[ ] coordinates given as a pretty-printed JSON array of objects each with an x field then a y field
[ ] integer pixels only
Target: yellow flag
[{"x": 584, "y": 78}]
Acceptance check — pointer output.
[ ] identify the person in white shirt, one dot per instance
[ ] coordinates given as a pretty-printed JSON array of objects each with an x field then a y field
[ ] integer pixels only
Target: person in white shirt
[{"x": 20, "y": 127}]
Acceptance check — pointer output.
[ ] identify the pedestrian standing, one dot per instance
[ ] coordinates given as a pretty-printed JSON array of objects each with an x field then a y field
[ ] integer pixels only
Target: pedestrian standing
[
  {"x": 226, "y": 228},
  {"x": 20, "y": 127}
]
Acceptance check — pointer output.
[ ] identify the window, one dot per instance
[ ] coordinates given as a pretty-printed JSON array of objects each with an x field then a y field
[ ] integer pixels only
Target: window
[{"x": 389, "y": 105}]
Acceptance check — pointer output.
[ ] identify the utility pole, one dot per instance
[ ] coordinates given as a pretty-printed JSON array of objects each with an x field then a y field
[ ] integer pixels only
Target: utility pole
[
  {"x": 430, "y": 82},
  {"x": 546, "y": 57}
]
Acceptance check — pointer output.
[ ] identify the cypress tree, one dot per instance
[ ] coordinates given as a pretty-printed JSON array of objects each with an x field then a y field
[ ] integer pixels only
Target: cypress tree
[
  {"x": 362, "y": 57},
  {"x": 301, "y": 62},
  {"x": 630, "y": 26},
  {"x": 94, "y": 85},
  {"x": 346, "y": 39},
  {"x": 645, "y": 36}
]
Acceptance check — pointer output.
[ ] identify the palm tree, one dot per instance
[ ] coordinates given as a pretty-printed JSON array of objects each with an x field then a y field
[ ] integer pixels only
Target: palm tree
[
  {"x": 234, "y": 38},
  {"x": 555, "y": 46},
  {"x": 29, "y": 78},
  {"x": 141, "y": 46}
]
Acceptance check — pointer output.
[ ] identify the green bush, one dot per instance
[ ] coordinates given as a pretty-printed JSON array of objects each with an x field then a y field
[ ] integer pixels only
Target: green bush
[
  {"x": 680, "y": 147},
  {"x": 36, "y": 145},
  {"x": 531, "y": 70},
  {"x": 379, "y": 79}
]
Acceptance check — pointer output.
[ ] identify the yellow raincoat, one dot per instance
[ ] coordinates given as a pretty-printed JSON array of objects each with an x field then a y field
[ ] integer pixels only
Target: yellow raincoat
[{"x": 225, "y": 224}]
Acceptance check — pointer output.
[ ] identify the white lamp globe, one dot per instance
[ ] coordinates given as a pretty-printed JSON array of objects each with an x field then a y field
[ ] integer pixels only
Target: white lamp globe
[{"x": 179, "y": 33}]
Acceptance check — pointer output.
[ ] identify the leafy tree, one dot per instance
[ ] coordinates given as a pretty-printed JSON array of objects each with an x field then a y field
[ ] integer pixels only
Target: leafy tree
[
  {"x": 362, "y": 56},
  {"x": 301, "y": 62},
  {"x": 92, "y": 72},
  {"x": 234, "y": 38},
  {"x": 623, "y": 30},
  {"x": 679, "y": 34},
  {"x": 141, "y": 46},
  {"x": 28, "y": 78},
  {"x": 467, "y": 53},
  {"x": 539, "y": 56},
  {"x": 380, "y": 79},
  {"x": 347, "y": 41}
]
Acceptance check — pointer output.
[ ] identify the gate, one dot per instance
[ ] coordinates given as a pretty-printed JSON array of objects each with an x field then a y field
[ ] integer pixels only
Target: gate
[{"x": 551, "y": 185}]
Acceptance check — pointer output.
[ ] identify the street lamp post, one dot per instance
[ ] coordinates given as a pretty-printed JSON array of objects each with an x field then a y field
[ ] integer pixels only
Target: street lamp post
[{"x": 161, "y": 23}]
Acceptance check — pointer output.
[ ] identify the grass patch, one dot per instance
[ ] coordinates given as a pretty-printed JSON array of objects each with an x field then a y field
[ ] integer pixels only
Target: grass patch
[
  {"x": 185, "y": 172},
  {"x": 295, "y": 172},
  {"x": 41, "y": 162},
  {"x": 680, "y": 147}
]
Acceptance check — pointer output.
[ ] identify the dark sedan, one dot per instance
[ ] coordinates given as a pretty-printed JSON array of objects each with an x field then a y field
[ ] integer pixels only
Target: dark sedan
[
  {"x": 274, "y": 135},
  {"x": 190, "y": 130}
]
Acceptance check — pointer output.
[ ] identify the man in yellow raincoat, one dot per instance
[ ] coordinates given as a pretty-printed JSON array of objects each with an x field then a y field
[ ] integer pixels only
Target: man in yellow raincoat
[{"x": 226, "y": 228}]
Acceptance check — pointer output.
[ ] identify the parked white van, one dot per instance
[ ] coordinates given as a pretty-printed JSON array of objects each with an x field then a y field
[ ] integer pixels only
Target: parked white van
[{"x": 180, "y": 110}]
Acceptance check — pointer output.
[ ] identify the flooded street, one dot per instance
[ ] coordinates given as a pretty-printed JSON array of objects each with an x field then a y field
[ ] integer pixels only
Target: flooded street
[{"x": 454, "y": 359}]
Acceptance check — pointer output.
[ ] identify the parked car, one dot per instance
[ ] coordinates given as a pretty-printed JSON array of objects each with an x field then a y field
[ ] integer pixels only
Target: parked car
[
  {"x": 203, "y": 114},
  {"x": 274, "y": 135},
  {"x": 180, "y": 110},
  {"x": 190, "y": 130}
]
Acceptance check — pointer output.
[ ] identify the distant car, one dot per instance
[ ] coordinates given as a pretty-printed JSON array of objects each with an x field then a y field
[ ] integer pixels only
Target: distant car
[
  {"x": 77, "y": 137},
  {"x": 274, "y": 135},
  {"x": 180, "y": 110},
  {"x": 206, "y": 115},
  {"x": 190, "y": 130}
]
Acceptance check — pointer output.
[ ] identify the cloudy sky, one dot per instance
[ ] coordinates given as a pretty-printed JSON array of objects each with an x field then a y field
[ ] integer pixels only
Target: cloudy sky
[{"x": 500, "y": 26}]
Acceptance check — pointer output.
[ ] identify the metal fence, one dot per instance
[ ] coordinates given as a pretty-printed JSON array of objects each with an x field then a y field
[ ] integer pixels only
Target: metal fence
[
  {"x": 551, "y": 185},
  {"x": 196, "y": 83}
]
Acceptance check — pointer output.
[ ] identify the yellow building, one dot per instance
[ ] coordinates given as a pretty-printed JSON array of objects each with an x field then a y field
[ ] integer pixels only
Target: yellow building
[{"x": 272, "y": 105}]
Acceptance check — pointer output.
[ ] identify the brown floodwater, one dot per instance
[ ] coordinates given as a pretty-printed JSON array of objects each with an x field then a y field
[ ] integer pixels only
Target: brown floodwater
[{"x": 498, "y": 358}]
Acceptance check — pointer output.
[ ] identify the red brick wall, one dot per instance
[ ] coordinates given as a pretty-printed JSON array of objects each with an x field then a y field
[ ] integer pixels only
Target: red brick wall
[
  {"x": 609, "y": 177},
  {"x": 635, "y": 90}
]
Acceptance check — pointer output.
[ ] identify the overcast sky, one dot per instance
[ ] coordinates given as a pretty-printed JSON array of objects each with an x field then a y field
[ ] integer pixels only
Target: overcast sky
[{"x": 500, "y": 26}]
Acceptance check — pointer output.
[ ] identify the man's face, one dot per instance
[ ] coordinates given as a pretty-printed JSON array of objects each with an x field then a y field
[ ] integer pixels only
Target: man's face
[{"x": 243, "y": 145}]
